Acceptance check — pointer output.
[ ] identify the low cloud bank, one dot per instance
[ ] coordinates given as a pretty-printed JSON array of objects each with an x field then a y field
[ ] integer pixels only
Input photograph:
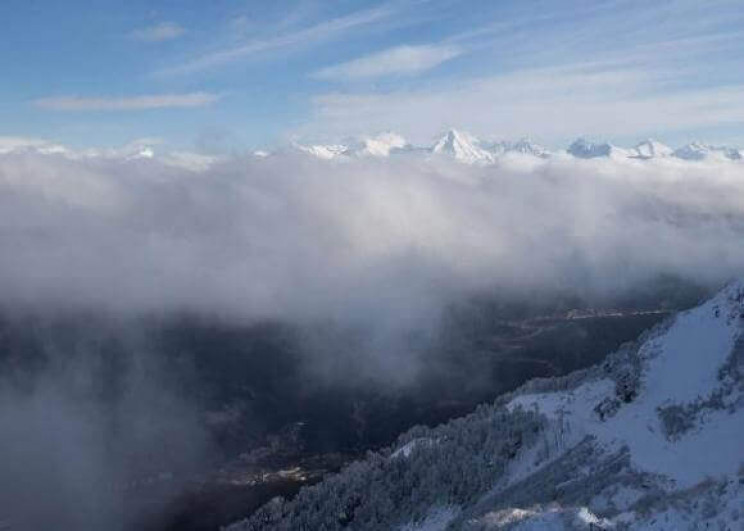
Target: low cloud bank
[
  {"x": 96, "y": 433},
  {"x": 295, "y": 238}
]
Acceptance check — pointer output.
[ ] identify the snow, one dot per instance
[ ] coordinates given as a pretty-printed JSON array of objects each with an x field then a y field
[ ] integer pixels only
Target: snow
[
  {"x": 583, "y": 149},
  {"x": 455, "y": 144},
  {"x": 681, "y": 367},
  {"x": 551, "y": 518},
  {"x": 325, "y": 152},
  {"x": 620, "y": 469},
  {"x": 463, "y": 147},
  {"x": 409, "y": 447},
  {"x": 525, "y": 146},
  {"x": 468, "y": 149},
  {"x": 651, "y": 148}
]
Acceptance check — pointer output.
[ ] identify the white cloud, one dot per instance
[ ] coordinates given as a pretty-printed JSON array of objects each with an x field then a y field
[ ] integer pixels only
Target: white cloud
[
  {"x": 606, "y": 69},
  {"x": 554, "y": 103},
  {"x": 381, "y": 242},
  {"x": 400, "y": 60},
  {"x": 322, "y": 31},
  {"x": 9, "y": 144},
  {"x": 154, "y": 101},
  {"x": 165, "y": 31},
  {"x": 382, "y": 246}
]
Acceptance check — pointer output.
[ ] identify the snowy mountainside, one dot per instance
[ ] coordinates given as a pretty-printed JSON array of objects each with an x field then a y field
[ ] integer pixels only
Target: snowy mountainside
[
  {"x": 583, "y": 149},
  {"x": 454, "y": 144},
  {"x": 649, "y": 439},
  {"x": 320, "y": 151},
  {"x": 468, "y": 149},
  {"x": 463, "y": 147},
  {"x": 145, "y": 149},
  {"x": 650, "y": 148},
  {"x": 525, "y": 146}
]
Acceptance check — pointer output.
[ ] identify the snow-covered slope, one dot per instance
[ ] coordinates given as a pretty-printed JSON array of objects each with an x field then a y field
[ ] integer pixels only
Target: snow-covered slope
[
  {"x": 382, "y": 145},
  {"x": 680, "y": 368},
  {"x": 466, "y": 148},
  {"x": 525, "y": 146},
  {"x": 659, "y": 430},
  {"x": 321, "y": 151},
  {"x": 137, "y": 150},
  {"x": 650, "y": 148},
  {"x": 463, "y": 147},
  {"x": 653, "y": 438},
  {"x": 457, "y": 145},
  {"x": 583, "y": 149}
]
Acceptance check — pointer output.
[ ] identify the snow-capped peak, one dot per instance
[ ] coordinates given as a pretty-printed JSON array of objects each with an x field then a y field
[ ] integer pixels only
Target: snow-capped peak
[
  {"x": 584, "y": 149},
  {"x": 526, "y": 146},
  {"x": 650, "y": 148},
  {"x": 381, "y": 145},
  {"x": 464, "y": 147},
  {"x": 523, "y": 146},
  {"x": 322, "y": 151}
]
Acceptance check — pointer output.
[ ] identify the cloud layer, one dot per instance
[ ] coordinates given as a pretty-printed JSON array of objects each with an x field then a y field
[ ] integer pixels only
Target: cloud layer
[
  {"x": 287, "y": 40},
  {"x": 400, "y": 60},
  {"x": 293, "y": 237},
  {"x": 595, "y": 99},
  {"x": 373, "y": 245},
  {"x": 165, "y": 31}
]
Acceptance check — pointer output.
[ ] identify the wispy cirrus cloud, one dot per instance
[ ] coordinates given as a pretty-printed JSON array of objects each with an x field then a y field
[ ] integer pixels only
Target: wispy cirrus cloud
[
  {"x": 619, "y": 69},
  {"x": 557, "y": 102},
  {"x": 322, "y": 31},
  {"x": 135, "y": 103},
  {"x": 399, "y": 60},
  {"x": 165, "y": 31}
]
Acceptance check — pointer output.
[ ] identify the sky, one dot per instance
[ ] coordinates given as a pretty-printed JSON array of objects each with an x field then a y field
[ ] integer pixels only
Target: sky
[{"x": 229, "y": 75}]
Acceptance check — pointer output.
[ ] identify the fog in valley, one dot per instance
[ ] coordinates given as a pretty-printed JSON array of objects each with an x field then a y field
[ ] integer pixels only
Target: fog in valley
[{"x": 159, "y": 318}]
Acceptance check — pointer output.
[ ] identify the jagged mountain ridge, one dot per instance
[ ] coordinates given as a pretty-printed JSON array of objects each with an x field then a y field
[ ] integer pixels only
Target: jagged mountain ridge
[
  {"x": 649, "y": 439},
  {"x": 454, "y": 144},
  {"x": 467, "y": 148}
]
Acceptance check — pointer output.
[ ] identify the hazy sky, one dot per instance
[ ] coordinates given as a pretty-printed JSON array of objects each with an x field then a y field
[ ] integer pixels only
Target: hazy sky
[{"x": 231, "y": 73}]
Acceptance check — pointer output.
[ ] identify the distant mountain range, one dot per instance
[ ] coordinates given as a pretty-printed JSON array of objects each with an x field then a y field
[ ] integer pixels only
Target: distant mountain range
[
  {"x": 466, "y": 148},
  {"x": 454, "y": 144}
]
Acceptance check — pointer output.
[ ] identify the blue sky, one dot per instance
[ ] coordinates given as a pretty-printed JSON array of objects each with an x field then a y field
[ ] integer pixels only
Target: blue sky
[{"x": 232, "y": 74}]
